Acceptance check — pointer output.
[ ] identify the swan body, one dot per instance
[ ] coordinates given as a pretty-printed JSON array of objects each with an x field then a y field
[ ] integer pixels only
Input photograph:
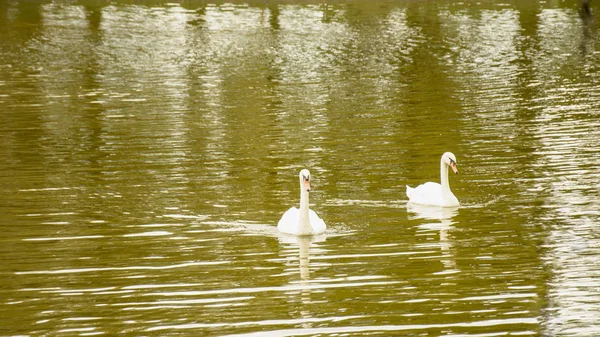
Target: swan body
[
  {"x": 302, "y": 221},
  {"x": 435, "y": 194}
]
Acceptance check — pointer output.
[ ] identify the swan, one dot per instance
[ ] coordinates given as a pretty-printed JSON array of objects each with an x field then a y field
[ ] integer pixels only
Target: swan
[
  {"x": 303, "y": 221},
  {"x": 435, "y": 194}
]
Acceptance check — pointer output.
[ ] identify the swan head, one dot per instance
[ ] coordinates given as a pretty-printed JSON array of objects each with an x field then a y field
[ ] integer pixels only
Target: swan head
[
  {"x": 450, "y": 159},
  {"x": 304, "y": 180}
]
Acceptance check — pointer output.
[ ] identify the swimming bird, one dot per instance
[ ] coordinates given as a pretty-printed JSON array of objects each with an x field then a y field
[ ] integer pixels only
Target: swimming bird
[
  {"x": 302, "y": 221},
  {"x": 435, "y": 194}
]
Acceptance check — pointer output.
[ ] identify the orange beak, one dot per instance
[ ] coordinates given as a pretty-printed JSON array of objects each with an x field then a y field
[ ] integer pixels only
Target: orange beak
[
  {"x": 453, "y": 167},
  {"x": 307, "y": 185}
]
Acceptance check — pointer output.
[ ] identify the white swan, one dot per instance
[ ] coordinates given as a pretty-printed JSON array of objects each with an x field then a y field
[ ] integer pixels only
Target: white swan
[
  {"x": 303, "y": 221},
  {"x": 435, "y": 194}
]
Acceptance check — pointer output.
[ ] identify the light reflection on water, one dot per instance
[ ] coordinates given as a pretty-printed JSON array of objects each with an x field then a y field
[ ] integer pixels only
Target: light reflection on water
[{"x": 148, "y": 152}]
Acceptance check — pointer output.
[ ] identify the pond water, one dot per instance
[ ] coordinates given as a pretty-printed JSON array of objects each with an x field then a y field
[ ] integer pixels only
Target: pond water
[{"x": 148, "y": 149}]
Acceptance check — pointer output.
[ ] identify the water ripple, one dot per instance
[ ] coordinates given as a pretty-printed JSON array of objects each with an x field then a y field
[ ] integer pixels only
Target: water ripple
[
  {"x": 259, "y": 323},
  {"x": 93, "y": 270},
  {"x": 390, "y": 328}
]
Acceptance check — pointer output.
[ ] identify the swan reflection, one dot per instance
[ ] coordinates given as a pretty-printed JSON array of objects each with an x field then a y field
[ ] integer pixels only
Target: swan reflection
[
  {"x": 439, "y": 219},
  {"x": 431, "y": 212},
  {"x": 303, "y": 243}
]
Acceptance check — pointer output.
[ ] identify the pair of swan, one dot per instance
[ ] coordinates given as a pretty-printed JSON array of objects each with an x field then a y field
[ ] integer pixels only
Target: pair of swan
[{"x": 304, "y": 221}]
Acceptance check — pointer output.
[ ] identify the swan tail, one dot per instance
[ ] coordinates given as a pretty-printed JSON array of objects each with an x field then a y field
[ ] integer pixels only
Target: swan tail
[{"x": 409, "y": 191}]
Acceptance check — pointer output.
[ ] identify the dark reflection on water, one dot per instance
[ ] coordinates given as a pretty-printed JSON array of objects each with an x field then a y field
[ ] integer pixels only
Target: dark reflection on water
[{"x": 149, "y": 149}]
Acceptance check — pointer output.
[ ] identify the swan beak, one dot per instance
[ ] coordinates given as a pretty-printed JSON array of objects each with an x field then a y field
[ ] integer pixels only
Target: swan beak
[
  {"x": 307, "y": 185},
  {"x": 453, "y": 167}
]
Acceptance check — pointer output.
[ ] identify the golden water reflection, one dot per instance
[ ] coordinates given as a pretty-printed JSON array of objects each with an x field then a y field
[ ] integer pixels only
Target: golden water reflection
[{"x": 148, "y": 150}]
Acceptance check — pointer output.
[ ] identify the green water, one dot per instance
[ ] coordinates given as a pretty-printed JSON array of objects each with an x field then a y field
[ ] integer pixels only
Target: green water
[{"x": 148, "y": 150}]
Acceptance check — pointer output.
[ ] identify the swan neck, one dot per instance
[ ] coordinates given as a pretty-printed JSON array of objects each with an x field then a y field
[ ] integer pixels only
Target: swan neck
[
  {"x": 303, "y": 220},
  {"x": 444, "y": 178},
  {"x": 303, "y": 201}
]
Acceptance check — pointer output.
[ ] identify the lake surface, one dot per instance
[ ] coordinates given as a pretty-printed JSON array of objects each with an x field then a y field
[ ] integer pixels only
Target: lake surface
[{"x": 148, "y": 150}]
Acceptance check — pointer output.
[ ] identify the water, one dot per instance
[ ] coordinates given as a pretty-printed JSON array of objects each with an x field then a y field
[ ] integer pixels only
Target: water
[{"x": 148, "y": 151}]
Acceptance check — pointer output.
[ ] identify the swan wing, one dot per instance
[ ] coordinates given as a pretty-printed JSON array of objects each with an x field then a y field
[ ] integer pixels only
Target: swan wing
[
  {"x": 318, "y": 225},
  {"x": 288, "y": 222},
  {"x": 428, "y": 193}
]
